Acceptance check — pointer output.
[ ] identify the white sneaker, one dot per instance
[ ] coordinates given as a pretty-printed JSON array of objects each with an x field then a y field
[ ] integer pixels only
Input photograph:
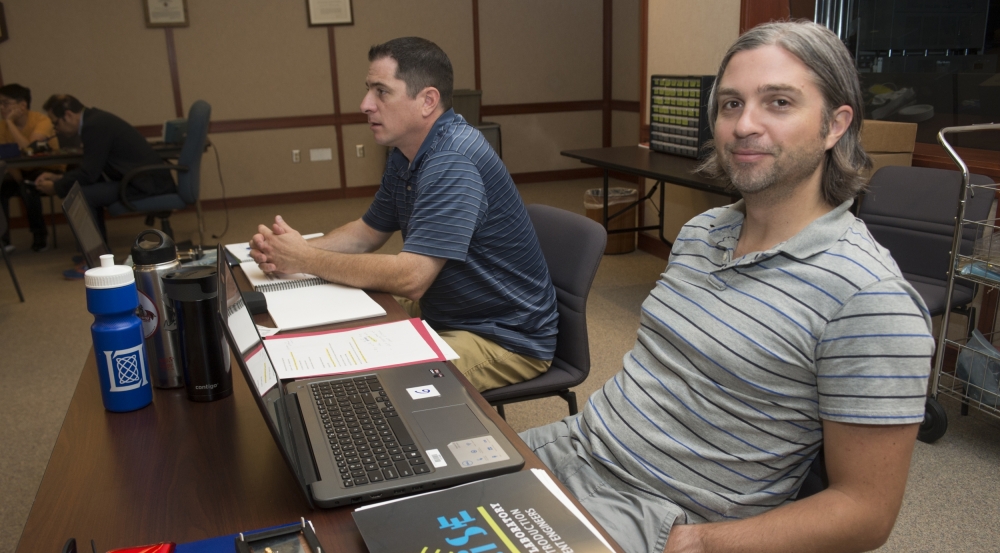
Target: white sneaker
[{"x": 9, "y": 248}]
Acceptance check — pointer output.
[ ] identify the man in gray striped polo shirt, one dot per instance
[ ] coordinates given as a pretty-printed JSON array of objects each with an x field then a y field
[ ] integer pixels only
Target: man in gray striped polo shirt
[
  {"x": 779, "y": 326},
  {"x": 471, "y": 264}
]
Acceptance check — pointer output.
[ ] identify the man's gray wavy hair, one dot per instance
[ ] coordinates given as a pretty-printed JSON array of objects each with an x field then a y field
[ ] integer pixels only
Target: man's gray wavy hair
[{"x": 834, "y": 73}]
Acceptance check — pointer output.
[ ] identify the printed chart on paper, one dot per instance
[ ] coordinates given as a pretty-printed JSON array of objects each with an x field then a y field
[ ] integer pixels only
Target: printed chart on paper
[{"x": 358, "y": 349}]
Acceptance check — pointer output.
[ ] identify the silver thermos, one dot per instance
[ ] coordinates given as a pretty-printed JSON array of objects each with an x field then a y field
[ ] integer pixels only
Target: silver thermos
[{"x": 154, "y": 255}]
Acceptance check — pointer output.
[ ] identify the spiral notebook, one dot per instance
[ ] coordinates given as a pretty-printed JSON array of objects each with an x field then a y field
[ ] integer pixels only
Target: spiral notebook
[{"x": 301, "y": 300}]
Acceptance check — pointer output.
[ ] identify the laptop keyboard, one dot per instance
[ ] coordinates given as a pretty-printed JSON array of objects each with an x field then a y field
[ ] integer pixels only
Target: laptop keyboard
[{"x": 369, "y": 441}]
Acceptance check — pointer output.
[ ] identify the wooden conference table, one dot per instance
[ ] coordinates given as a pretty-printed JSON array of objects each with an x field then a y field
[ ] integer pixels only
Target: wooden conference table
[
  {"x": 181, "y": 471},
  {"x": 641, "y": 162}
]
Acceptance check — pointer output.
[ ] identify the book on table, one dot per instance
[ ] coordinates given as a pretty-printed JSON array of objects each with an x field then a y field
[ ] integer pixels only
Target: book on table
[
  {"x": 522, "y": 512},
  {"x": 302, "y": 300}
]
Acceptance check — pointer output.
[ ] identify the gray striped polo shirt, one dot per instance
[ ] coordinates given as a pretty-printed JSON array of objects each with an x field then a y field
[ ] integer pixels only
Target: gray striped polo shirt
[
  {"x": 719, "y": 405},
  {"x": 456, "y": 201}
]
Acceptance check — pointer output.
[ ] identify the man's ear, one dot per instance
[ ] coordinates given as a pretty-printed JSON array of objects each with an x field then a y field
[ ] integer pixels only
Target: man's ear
[
  {"x": 840, "y": 121},
  {"x": 432, "y": 99}
]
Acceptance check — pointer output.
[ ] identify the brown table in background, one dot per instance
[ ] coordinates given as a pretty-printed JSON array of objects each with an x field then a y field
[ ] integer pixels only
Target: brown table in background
[
  {"x": 641, "y": 162},
  {"x": 181, "y": 471}
]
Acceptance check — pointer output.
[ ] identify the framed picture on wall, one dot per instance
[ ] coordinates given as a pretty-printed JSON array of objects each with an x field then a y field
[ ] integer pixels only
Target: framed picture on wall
[
  {"x": 330, "y": 12},
  {"x": 3, "y": 24},
  {"x": 166, "y": 13}
]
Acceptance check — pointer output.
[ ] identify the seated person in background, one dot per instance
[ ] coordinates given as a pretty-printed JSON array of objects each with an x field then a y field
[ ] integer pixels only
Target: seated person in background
[
  {"x": 779, "y": 326},
  {"x": 111, "y": 148},
  {"x": 23, "y": 127},
  {"x": 471, "y": 264}
]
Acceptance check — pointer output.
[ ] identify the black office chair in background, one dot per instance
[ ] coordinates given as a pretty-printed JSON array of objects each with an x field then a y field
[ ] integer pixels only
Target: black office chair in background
[
  {"x": 3, "y": 229},
  {"x": 188, "y": 170},
  {"x": 911, "y": 211},
  {"x": 573, "y": 246}
]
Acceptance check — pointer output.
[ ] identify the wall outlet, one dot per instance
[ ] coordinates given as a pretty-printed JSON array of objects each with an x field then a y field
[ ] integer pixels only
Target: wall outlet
[
  {"x": 361, "y": 150},
  {"x": 296, "y": 156},
  {"x": 320, "y": 154}
]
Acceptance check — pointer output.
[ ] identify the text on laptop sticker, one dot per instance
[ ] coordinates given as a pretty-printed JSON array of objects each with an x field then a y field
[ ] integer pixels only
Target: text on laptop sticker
[{"x": 421, "y": 392}]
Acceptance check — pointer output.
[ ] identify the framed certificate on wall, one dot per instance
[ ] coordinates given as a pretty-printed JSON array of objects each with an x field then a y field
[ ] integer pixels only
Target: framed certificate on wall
[
  {"x": 330, "y": 12},
  {"x": 166, "y": 13}
]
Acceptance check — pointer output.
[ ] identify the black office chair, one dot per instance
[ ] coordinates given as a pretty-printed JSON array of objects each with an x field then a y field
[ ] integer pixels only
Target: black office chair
[
  {"x": 911, "y": 211},
  {"x": 3, "y": 229},
  {"x": 816, "y": 479},
  {"x": 572, "y": 245},
  {"x": 188, "y": 170}
]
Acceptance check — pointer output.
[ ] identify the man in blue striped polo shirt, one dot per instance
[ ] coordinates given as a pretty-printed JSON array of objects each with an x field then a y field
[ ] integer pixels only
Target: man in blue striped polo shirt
[
  {"x": 471, "y": 264},
  {"x": 779, "y": 326}
]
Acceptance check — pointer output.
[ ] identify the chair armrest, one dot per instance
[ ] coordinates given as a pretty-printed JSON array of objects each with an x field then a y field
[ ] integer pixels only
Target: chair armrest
[{"x": 138, "y": 171}]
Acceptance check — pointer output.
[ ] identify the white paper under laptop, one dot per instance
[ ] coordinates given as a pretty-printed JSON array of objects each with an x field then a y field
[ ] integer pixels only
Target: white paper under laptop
[
  {"x": 343, "y": 351},
  {"x": 301, "y": 301}
]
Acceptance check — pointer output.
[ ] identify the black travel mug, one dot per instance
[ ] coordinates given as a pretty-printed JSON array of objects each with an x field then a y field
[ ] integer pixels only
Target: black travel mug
[{"x": 195, "y": 294}]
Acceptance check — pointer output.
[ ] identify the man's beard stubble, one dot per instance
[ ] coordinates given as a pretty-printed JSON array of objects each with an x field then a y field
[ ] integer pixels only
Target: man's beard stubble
[{"x": 776, "y": 180}]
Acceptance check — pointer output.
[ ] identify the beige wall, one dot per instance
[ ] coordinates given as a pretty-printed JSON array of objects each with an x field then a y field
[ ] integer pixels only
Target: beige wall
[
  {"x": 688, "y": 37},
  {"x": 253, "y": 59}
]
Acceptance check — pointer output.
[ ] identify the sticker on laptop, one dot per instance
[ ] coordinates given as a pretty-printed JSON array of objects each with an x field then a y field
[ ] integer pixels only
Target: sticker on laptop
[
  {"x": 436, "y": 458},
  {"x": 477, "y": 451},
  {"x": 421, "y": 392}
]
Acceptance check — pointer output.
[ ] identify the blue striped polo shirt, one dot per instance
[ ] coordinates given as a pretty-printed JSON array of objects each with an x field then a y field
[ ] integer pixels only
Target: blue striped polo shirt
[
  {"x": 456, "y": 201},
  {"x": 737, "y": 362}
]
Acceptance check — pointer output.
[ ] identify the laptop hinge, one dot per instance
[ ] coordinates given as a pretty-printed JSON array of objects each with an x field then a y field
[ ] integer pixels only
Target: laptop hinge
[{"x": 303, "y": 453}]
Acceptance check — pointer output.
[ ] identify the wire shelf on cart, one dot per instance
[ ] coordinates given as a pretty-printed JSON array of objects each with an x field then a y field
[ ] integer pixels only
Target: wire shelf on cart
[
  {"x": 974, "y": 379},
  {"x": 975, "y": 387}
]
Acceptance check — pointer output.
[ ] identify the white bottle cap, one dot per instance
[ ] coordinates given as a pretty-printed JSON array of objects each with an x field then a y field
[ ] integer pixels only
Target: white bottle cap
[{"x": 108, "y": 275}]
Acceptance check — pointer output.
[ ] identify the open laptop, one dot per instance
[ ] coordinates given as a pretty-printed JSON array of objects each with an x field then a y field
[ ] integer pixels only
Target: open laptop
[
  {"x": 369, "y": 434},
  {"x": 81, "y": 221}
]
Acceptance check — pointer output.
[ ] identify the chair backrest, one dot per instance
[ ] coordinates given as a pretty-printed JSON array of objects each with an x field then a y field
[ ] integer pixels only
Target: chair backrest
[
  {"x": 189, "y": 182},
  {"x": 573, "y": 246},
  {"x": 911, "y": 211}
]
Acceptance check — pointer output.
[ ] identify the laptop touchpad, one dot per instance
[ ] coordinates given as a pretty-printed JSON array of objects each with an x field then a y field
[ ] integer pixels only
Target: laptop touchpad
[{"x": 449, "y": 424}]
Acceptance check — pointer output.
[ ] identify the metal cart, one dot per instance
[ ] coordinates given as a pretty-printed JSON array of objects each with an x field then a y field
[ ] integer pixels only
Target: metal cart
[{"x": 974, "y": 379}]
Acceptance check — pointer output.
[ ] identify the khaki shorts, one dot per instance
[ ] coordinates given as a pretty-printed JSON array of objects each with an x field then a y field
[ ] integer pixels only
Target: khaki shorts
[{"x": 483, "y": 362}]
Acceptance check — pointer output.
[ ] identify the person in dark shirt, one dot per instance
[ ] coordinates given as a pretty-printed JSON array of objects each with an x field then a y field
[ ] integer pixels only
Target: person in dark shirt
[{"x": 111, "y": 148}]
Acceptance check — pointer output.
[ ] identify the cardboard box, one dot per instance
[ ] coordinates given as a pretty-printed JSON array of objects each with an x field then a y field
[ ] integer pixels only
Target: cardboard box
[
  {"x": 882, "y": 137},
  {"x": 888, "y": 143},
  {"x": 888, "y": 137}
]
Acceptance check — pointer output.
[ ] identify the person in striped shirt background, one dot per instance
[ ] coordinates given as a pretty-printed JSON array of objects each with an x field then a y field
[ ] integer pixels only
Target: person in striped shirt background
[
  {"x": 779, "y": 326},
  {"x": 471, "y": 264}
]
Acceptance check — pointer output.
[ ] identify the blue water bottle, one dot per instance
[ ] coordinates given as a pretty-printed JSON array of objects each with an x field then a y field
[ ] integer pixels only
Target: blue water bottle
[{"x": 118, "y": 337}]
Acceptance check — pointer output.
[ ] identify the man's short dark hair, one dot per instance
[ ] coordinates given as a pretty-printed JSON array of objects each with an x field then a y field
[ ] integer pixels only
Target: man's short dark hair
[
  {"x": 420, "y": 64},
  {"x": 17, "y": 92},
  {"x": 59, "y": 104}
]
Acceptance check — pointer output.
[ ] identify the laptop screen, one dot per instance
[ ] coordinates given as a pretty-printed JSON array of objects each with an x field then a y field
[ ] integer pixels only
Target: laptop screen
[
  {"x": 81, "y": 220},
  {"x": 251, "y": 355}
]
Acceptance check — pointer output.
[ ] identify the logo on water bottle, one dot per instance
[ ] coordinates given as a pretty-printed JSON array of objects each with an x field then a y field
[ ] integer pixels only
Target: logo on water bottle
[
  {"x": 126, "y": 368},
  {"x": 148, "y": 314}
]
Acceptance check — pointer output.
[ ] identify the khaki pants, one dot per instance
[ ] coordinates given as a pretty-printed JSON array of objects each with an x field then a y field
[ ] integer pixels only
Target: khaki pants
[{"x": 483, "y": 362}]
